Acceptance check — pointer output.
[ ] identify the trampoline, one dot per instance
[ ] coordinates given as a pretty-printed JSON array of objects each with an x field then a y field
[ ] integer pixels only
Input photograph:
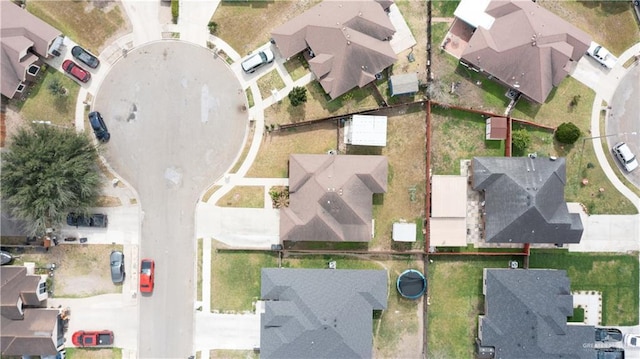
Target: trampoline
[{"x": 411, "y": 284}]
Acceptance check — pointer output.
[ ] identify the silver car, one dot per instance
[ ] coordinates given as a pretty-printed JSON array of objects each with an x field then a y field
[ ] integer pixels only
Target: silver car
[{"x": 117, "y": 266}]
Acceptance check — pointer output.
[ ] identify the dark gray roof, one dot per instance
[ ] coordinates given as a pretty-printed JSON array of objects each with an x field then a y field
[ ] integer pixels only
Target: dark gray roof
[
  {"x": 403, "y": 84},
  {"x": 526, "y": 314},
  {"x": 524, "y": 200},
  {"x": 320, "y": 313}
]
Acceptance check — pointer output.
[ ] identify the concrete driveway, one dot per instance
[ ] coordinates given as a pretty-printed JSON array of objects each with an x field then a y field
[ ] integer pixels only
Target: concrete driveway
[{"x": 177, "y": 119}]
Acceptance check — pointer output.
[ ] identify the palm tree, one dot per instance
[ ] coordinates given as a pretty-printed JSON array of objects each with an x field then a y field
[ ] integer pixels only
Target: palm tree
[{"x": 46, "y": 172}]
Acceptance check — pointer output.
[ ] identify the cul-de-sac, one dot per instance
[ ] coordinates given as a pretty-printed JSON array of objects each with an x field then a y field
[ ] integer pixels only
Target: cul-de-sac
[{"x": 320, "y": 179}]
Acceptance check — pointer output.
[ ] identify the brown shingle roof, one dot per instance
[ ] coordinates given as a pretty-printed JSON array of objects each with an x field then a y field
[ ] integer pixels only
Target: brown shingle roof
[
  {"x": 19, "y": 32},
  {"x": 527, "y": 47},
  {"x": 348, "y": 38},
  {"x": 34, "y": 335},
  {"x": 331, "y": 197}
]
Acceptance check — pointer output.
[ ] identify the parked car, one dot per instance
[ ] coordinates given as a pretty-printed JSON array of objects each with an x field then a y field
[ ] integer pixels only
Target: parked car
[
  {"x": 147, "y": 270},
  {"x": 602, "y": 55},
  {"x": 85, "y": 57},
  {"x": 92, "y": 220},
  {"x": 256, "y": 61},
  {"x": 76, "y": 71},
  {"x": 610, "y": 353},
  {"x": 101, "y": 338},
  {"x": 117, "y": 266},
  {"x": 99, "y": 127},
  {"x": 623, "y": 153},
  {"x": 632, "y": 340},
  {"x": 608, "y": 335}
]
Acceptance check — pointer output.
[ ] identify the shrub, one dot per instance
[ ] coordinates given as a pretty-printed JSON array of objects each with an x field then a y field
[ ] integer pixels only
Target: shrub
[
  {"x": 298, "y": 96},
  {"x": 175, "y": 11},
  {"x": 213, "y": 27},
  {"x": 567, "y": 133},
  {"x": 520, "y": 140}
]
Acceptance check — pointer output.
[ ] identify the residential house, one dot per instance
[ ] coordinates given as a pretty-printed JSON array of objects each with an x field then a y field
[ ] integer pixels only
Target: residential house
[
  {"x": 525, "y": 316},
  {"x": 28, "y": 327},
  {"x": 347, "y": 42},
  {"x": 330, "y": 197},
  {"x": 320, "y": 313},
  {"x": 523, "y": 200},
  {"x": 25, "y": 40},
  {"x": 520, "y": 44}
]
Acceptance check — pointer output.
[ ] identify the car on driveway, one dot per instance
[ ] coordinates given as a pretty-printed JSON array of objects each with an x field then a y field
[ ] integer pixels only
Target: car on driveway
[
  {"x": 632, "y": 340},
  {"x": 99, "y": 127},
  {"x": 92, "y": 220},
  {"x": 602, "y": 55},
  {"x": 76, "y": 71},
  {"x": 258, "y": 60},
  {"x": 623, "y": 153},
  {"x": 608, "y": 335},
  {"x": 147, "y": 273},
  {"x": 610, "y": 353},
  {"x": 85, "y": 57},
  {"x": 100, "y": 338},
  {"x": 117, "y": 266}
]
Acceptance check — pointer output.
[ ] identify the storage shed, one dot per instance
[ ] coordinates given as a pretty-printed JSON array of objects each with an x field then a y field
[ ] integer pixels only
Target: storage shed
[
  {"x": 403, "y": 84},
  {"x": 366, "y": 131},
  {"x": 496, "y": 128}
]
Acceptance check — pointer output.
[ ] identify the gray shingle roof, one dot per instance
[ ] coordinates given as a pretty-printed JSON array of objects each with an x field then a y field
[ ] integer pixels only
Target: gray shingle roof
[
  {"x": 528, "y": 45},
  {"x": 331, "y": 197},
  {"x": 524, "y": 200},
  {"x": 349, "y": 39},
  {"x": 526, "y": 314},
  {"x": 320, "y": 313},
  {"x": 403, "y": 84}
]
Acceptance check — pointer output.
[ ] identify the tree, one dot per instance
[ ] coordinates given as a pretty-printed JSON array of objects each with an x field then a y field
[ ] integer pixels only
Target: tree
[
  {"x": 520, "y": 140},
  {"x": 56, "y": 88},
  {"x": 298, "y": 96},
  {"x": 567, "y": 133},
  {"x": 46, "y": 172}
]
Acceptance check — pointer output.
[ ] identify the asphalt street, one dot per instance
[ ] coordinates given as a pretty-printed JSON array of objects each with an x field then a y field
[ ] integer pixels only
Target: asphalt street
[{"x": 177, "y": 123}]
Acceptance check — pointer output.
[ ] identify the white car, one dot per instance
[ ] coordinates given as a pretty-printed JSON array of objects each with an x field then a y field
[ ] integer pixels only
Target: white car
[
  {"x": 602, "y": 55},
  {"x": 625, "y": 156},
  {"x": 254, "y": 62},
  {"x": 632, "y": 340}
]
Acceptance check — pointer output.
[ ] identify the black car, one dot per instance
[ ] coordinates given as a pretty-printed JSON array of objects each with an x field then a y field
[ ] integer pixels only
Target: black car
[
  {"x": 92, "y": 220},
  {"x": 99, "y": 127},
  {"x": 608, "y": 335},
  {"x": 85, "y": 57},
  {"x": 610, "y": 353},
  {"x": 117, "y": 266}
]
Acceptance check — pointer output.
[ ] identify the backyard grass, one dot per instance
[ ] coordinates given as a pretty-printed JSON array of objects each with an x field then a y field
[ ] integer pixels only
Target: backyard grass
[
  {"x": 42, "y": 105},
  {"x": 243, "y": 197},
  {"x": 320, "y": 105},
  {"x": 455, "y": 296},
  {"x": 273, "y": 156},
  {"x": 458, "y": 135},
  {"x": 415, "y": 15},
  {"x": 199, "y": 270},
  {"x": 297, "y": 67},
  {"x": 91, "y": 353},
  {"x": 89, "y": 23},
  {"x": 610, "y": 23},
  {"x": 615, "y": 275},
  {"x": 444, "y": 8},
  {"x": 269, "y": 82},
  {"x": 247, "y": 25}
]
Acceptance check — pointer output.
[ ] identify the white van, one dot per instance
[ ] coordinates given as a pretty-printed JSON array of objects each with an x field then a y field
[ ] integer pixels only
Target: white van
[{"x": 254, "y": 62}]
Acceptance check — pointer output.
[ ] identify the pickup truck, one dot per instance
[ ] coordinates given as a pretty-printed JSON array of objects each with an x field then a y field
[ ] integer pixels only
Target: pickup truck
[
  {"x": 602, "y": 55},
  {"x": 101, "y": 338}
]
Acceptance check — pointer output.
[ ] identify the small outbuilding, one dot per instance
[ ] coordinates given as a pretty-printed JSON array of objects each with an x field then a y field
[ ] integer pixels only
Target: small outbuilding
[
  {"x": 404, "y": 232},
  {"x": 496, "y": 128},
  {"x": 363, "y": 130},
  {"x": 403, "y": 84}
]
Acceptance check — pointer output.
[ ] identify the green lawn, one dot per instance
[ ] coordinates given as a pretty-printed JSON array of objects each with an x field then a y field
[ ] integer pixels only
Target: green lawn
[
  {"x": 42, "y": 105},
  {"x": 444, "y": 8},
  {"x": 243, "y": 197},
  {"x": 458, "y": 135},
  {"x": 297, "y": 67},
  {"x": 616, "y": 276},
  {"x": 455, "y": 291},
  {"x": 91, "y": 353}
]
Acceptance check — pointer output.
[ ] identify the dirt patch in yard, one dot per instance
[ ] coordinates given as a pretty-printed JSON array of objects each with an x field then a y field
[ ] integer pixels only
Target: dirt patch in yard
[{"x": 81, "y": 270}]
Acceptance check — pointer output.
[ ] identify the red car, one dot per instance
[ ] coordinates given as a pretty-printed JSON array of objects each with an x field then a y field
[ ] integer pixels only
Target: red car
[
  {"x": 100, "y": 338},
  {"x": 76, "y": 71},
  {"x": 147, "y": 269}
]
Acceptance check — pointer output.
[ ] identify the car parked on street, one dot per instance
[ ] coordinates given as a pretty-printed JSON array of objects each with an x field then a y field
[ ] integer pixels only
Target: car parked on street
[
  {"x": 608, "y": 335},
  {"x": 623, "y": 153},
  {"x": 117, "y": 266},
  {"x": 632, "y": 340},
  {"x": 258, "y": 60},
  {"x": 99, "y": 127},
  {"x": 76, "y": 71},
  {"x": 92, "y": 220},
  {"x": 85, "y": 57},
  {"x": 147, "y": 273}
]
